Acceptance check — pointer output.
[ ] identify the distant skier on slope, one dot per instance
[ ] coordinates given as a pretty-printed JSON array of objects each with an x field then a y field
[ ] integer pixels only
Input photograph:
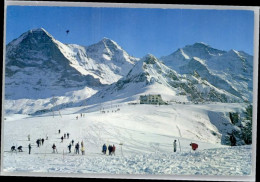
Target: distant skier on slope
[
  {"x": 104, "y": 149},
  {"x": 61, "y": 139},
  {"x": 30, "y": 147},
  {"x": 110, "y": 148},
  {"x": 28, "y": 137},
  {"x": 59, "y": 131},
  {"x": 38, "y": 142},
  {"x": 77, "y": 148},
  {"x": 194, "y": 146},
  {"x": 54, "y": 148},
  {"x": 13, "y": 148},
  {"x": 42, "y": 141},
  {"x": 69, "y": 148},
  {"x": 113, "y": 149},
  {"x": 83, "y": 150},
  {"x": 20, "y": 149},
  {"x": 174, "y": 146}
]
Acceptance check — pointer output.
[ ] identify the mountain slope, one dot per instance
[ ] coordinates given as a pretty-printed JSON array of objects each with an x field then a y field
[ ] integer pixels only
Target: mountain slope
[
  {"x": 151, "y": 76},
  {"x": 37, "y": 67},
  {"x": 231, "y": 71}
]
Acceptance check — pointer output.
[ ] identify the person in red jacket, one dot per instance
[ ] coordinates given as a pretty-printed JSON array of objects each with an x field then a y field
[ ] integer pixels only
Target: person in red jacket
[
  {"x": 194, "y": 146},
  {"x": 113, "y": 149}
]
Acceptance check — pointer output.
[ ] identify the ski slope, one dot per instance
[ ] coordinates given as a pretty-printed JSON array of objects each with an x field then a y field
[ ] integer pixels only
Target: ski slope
[{"x": 146, "y": 133}]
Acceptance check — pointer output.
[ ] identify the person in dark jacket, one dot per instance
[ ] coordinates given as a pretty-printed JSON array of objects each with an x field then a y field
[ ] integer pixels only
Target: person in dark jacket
[
  {"x": 13, "y": 148},
  {"x": 30, "y": 147},
  {"x": 174, "y": 146},
  {"x": 54, "y": 148},
  {"x": 69, "y": 148},
  {"x": 110, "y": 148},
  {"x": 77, "y": 148},
  {"x": 42, "y": 141},
  {"x": 104, "y": 149},
  {"x": 20, "y": 149},
  {"x": 38, "y": 142},
  {"x": 61, "y": 139}
]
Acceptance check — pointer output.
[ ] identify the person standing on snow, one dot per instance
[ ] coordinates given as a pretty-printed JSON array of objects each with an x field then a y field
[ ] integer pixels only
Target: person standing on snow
[
  {"x": 54, "y": 148},
  {"x": 72, "y": 142},
  {"x": 59, "y": 131},
  {"x": 83, "y": 150},
  {"x": 69, "y": 148},
  {"x": 104, "y": 149},
  {"x": 77, "y": 148},
  {"x": 174, "y": 146},
  {"x": 61, "y": 139},
  {"x": 110, "y": 148},
  {"x": 113, "y": 149},
  {"x": 194, "y": 146},
  {"x": 42, "y": 141},
  {"x": 38, "y": 143},
  {"x": 68, "y": 135},
  {"x": 29, "y": 137},
  {"x": 30, "y": 147}
]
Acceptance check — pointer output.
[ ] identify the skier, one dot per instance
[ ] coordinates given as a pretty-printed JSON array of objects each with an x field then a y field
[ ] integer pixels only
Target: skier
[
  {"x": 82, "y": 144},
  {"x": 104, "y": 149},
  {"x": 54, "y": 148},
  {"x": 194, "y": 146},
  {"x": 83, "y": 150},
  {"x": 72, "y": 142},
  {"x": 13, "y": 148},
  {"x": 77, "y": 148},
  {"x": 174, "y": 146},
  {"x": 110, "y": 148},
  {"x": 59, "y": 131},
  {"x": 20, "y": 149},
  {"x": 28, "y": 137},
  {"x": 113, "y": 149},
  {"x": 69, "y": 148},
  {"x": 30, "y": 147},
  {"x": 61, "y": 139},
  {"x": 42, "y": 141},
  {"x": 68, "y": 135},
  {"x": 232, "y": 140},
  {"x": 38, "y": 143},
  {"x": 64, "y": 135}
]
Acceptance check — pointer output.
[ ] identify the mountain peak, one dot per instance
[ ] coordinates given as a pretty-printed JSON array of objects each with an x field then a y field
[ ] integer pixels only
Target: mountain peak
[
  {"x": 200, "y": 44},
  {"x": 36, "y": 34}
]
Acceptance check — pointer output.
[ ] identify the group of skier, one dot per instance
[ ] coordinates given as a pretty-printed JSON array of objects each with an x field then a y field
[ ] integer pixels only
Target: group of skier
[
  {"x": 39, "y": 142},
  {"x": 64, "y": 136},
  {"x": 111, "y": 149}
]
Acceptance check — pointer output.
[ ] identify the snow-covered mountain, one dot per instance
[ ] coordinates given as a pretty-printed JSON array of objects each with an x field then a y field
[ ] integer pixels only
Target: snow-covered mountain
[
  {"x": 151, "y": 76},
  {"x": 231, "y": 71},
  {"x": 37, "y": 67},
  {"x": 40, "y": 66}
]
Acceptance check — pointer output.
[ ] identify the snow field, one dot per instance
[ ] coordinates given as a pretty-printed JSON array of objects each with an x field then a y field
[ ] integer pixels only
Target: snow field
[{"x": 147, "y": 133}]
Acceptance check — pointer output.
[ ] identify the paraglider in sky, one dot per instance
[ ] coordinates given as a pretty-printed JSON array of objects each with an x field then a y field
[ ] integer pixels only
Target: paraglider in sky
[{"x": 67, "y": 31}]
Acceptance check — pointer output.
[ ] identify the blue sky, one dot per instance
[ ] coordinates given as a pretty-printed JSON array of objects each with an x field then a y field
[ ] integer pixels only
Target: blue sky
[{"x": 138, "y": 31}]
